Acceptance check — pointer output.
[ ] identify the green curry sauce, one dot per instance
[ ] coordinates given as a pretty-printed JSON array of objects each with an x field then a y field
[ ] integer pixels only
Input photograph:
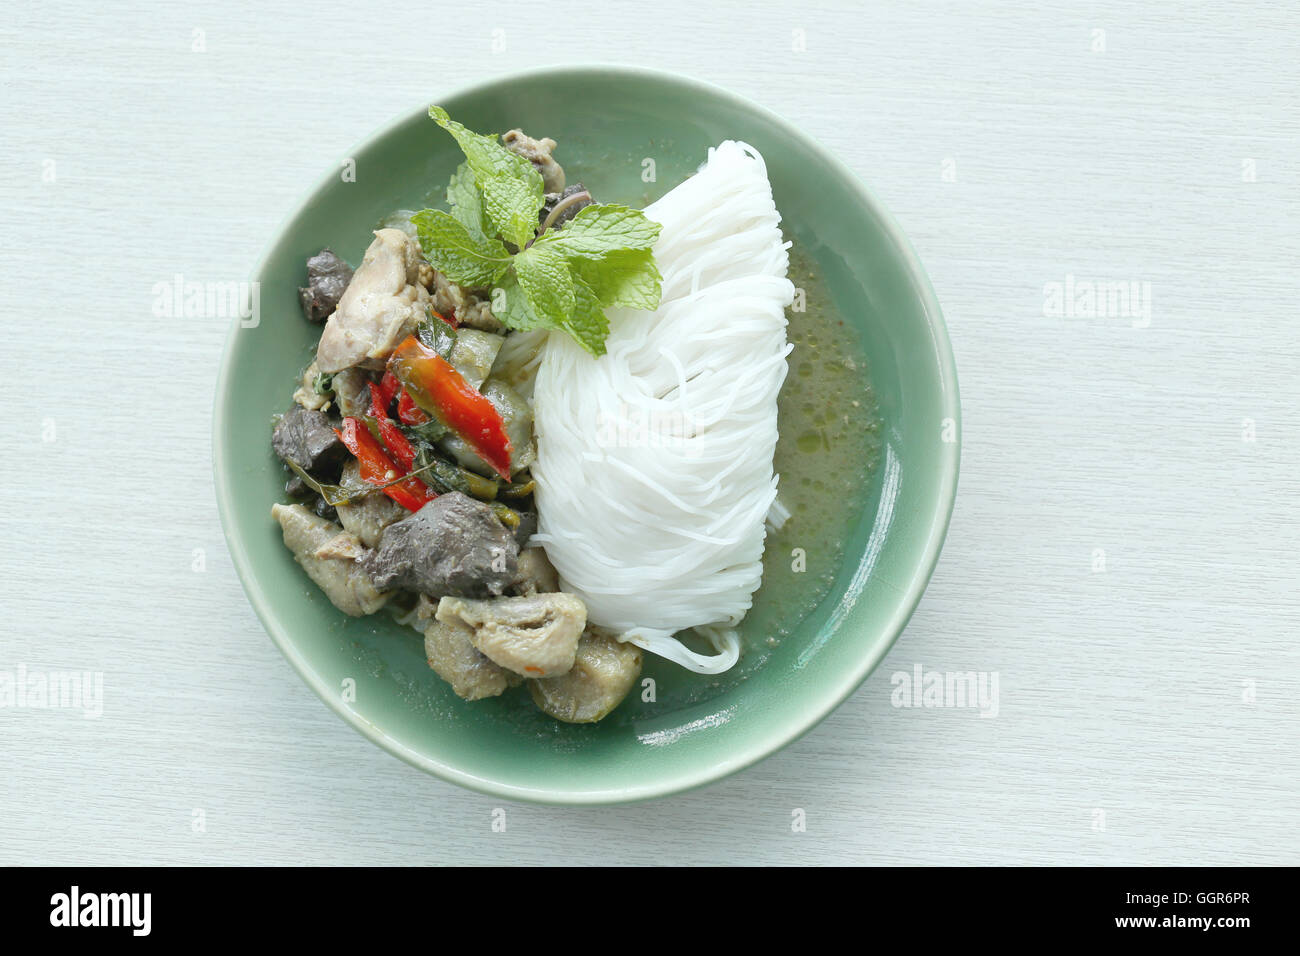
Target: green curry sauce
[{"x": 829, "y": 446}]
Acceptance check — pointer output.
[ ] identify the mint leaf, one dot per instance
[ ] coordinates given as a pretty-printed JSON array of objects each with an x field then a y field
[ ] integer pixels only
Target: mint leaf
[
  {"x": 547, "y": 285},
  {"x": 561, "y": 280},
  {"x": 600, "y": 229},
  {"x": 473, "y": 261},
  {"x": 587, "y": 322},
  {"x": 466, "y": 201},
  {"x": 624, "y": 277},
  {"x": 510, "y": 307},
  {"x": 511, "y": 187}
]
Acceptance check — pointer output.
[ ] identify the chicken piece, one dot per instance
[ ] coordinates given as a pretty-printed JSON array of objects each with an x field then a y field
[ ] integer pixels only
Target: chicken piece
[
  {"x": 367, "y": 515},
  {"x": 379, "y": 308},
  {"x": 327, "y": 277},
  {"x": 306, "y": 394},
  {"x": 452, "y": 301},
  {"x": 451, "y": 654},
  {"x": 341, "y": 578},
  {"x": 604, "y": 670},
  {"x": 343, "y": 545},
  {"x": 538, "y": 152},
  {"x": 533, "y": 636},
  {"x": 351, "y": 392},
  {"x": 536, "y": 573},
  {"x": 454, "y": 545}
]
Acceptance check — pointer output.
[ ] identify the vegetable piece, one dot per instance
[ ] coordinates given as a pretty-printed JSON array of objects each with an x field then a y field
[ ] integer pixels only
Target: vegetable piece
[
  {"x": 474, "y": 353},
  {"x": 444, "y": 476},
  {"x": 396, "y": 442},
  {"x": 378, "y": 469},
  {"x": 442, "y": 391},
  {"x": 471, "y": 260},
  {"x": 517, "y": 417},
  {"x": 388, "y": 388},
  {"x": 409, "y": 413},
  {"x": 511, "y": 187}
]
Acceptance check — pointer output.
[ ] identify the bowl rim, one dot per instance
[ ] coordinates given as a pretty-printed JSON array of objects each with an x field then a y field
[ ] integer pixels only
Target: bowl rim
[{"x": 752, "y": 751}]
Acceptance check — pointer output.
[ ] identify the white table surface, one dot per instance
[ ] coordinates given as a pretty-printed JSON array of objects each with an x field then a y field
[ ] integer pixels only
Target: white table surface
[{"x": 1161, "y": 691}]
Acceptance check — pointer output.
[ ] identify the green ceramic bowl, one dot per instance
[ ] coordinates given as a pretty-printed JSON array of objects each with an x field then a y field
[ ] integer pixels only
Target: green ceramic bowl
[{"x": 607, "y": 118}]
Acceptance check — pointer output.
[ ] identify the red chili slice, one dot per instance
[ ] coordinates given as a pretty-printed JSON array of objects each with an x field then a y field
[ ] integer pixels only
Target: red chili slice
[
  {"x": 409, "y": 412},
  {"x": 378, "y": 469},
  {"x": 442, "y": 391}
]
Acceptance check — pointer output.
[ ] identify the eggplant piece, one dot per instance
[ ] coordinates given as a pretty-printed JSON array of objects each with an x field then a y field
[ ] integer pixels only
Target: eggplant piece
[
  {"x": 517, "y": 415},
  {"x": 327, "y": 277},
  {"x": 366, "y": 515},
  {"x": 604, "y": 670},
  {"x": 454, "y": 545},
  {"x": 474, "y": 353},
  {"x": 307, "y": 438}
]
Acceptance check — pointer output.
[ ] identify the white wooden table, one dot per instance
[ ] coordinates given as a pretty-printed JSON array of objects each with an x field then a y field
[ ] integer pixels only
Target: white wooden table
[{"x": 1123, "y": 549}]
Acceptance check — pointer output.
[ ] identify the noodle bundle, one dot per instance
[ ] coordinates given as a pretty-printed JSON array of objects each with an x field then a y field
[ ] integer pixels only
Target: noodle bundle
[{"x": 654, "y": 468}]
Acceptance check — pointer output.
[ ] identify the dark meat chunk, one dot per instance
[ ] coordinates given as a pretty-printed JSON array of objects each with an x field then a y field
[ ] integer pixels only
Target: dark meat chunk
[
  {"x": 454, "y": 545},
  {"x": 307, "y": 438},
  {"x": 327, "y": 277},
  {"x": 559, "y": 208},
  {"x": 527, "y": 527}
]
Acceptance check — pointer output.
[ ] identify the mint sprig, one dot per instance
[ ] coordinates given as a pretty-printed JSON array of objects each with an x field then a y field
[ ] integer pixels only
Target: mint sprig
[
  {"x": 471, "y": 260},
  {"x": 563, "y": 279}
]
